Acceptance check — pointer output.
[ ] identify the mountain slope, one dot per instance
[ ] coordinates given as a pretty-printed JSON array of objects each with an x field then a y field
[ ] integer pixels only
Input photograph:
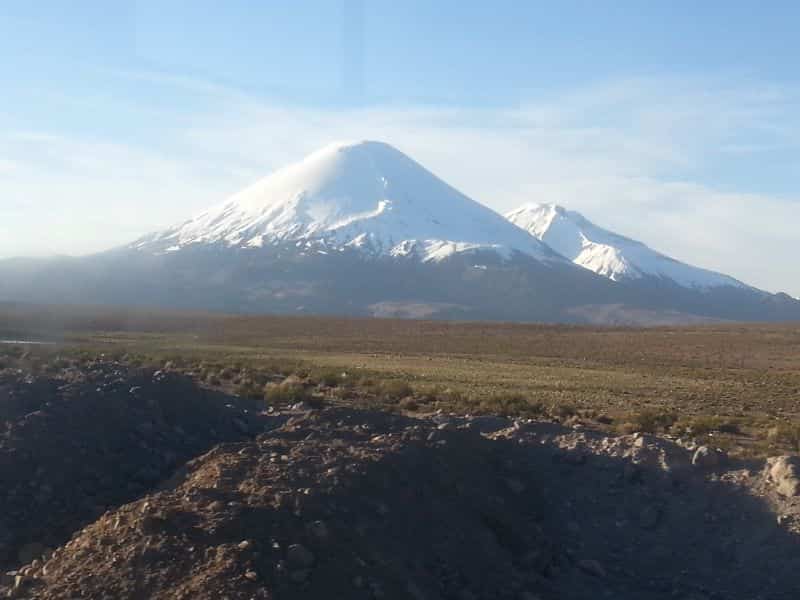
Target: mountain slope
[
  {"x": 361, "y": 229},
  {"x": 353, "y": 229},
  {"x": 606, "y": 253},
  {"x": 363, "y": 195}
]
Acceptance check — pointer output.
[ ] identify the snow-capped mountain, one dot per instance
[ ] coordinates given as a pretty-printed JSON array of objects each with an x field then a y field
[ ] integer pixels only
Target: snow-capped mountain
[
  {"x": 606, "y": 253},
  {"x": 360, "y": 229},
  {"x": 362, "y": 195}
]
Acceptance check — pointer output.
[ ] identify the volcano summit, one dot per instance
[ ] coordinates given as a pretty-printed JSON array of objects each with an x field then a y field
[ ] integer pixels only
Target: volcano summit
[{"x": 361, "y": 229}]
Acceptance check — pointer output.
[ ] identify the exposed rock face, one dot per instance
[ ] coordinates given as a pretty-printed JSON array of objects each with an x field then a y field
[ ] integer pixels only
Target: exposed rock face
[
  {"x": 706, "y": 457},
  {"x": 784, "y": 473}
]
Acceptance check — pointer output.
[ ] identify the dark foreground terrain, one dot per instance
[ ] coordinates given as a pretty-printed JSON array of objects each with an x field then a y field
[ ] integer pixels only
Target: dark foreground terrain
[{"x": 125, "y": 482}]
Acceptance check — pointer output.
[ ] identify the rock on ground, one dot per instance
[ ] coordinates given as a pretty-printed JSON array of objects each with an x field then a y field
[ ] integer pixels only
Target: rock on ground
[{"x": 784, "y": 473}]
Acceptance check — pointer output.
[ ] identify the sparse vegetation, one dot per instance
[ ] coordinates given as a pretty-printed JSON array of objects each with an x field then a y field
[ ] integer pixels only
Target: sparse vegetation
[
  {"x": 734, "y": 382},
  {"x": 786, "y": 434},
  {"x": 409, "y": 404},
  {"x": 648, "y": 420},
  {"x": 330, "y": 377},
  {"x": 510, "y": 404},
  {"x": 705, "y": 424},
  {"x": 563, "y": 410},
  {"x": 289, "y": 392},
  {"x": 393, "y": 390}
]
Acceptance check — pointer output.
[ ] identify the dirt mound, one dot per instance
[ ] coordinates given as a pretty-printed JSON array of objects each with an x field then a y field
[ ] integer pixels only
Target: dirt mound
[
  {"x": 342, "y": 503},
  {"x": 666, "y": 518},
  {"x": 80, "y": 442},
  {"x": 334, "y": 504}
]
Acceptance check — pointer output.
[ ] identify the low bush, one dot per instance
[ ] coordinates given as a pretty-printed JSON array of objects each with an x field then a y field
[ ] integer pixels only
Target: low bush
[
  {"x": 328, "y": 377},
  {"x": 439, "y": 393},
  {"x": 510, "y": 405},
  {"x": 392, "y": 390},
  {"x": 650, "y": 420},
  {"x": 563, "y": 410},
  {"x": 287, "y": 393},
  {"x": 787, "y": 434},
  {"x": 409, "y": 404},
  {"x": 705, "y": 424}
]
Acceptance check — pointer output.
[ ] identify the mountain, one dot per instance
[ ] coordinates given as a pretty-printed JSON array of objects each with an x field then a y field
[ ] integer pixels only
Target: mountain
[
  {"x": 364, "y": 195},
  {"x": 360, "y": 229},
  {"x": 354, "y": 229},
  {"x": 606, "y": 253},
  {"x": 659, "y": 289}
]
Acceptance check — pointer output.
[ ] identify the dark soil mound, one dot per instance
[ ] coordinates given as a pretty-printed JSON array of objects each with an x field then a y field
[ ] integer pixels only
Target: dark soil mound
[
  {"x": 342, "y": 503},
  {"x": 75, "y": 445},
  {"x": 337, "y": 504}
]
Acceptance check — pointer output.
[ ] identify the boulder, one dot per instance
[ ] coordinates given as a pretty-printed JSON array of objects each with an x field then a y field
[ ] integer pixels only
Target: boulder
[
  {"x": 784, "y": 473},
  {"x": 706, "y": 457}
]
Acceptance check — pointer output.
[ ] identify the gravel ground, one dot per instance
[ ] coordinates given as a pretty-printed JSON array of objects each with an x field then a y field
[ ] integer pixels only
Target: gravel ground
[{"x": 341, "y": 503}]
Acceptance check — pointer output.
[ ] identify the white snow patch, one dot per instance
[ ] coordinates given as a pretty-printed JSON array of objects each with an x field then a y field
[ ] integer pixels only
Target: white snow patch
[
  {"x": 606, "y": 253},
  {"x": 364, "y": 195}
]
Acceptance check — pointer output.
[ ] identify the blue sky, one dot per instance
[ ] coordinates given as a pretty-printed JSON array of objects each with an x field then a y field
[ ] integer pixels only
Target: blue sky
[{"x": 674, "y": 122}]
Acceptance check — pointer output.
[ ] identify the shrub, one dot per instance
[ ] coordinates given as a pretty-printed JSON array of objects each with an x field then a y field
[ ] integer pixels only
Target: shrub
[
  {"x": 701, "y": 425},
  {"x": 286, "y": 393},
  {"x": 563, "y": 410},
  {"x": 728, "y": 426},
  {"x": 438, "y": 393},
  {"x": 705, "y": 424},
  {"x": 258, "y": 378},
  {"x": 393, "y": 390},
  {"x": 650, "y": 420},
  {"x": 510, "y": 405},
  {"x": 329, "y": 378},
  {"x": 409, "y": 404},
  {"x": 786, "y": 433}
]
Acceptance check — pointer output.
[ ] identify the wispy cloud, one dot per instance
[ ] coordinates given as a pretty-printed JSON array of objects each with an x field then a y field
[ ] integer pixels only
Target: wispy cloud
[
  {"x": 8, "y": 166},
  {"x": 647, "y": 157}
]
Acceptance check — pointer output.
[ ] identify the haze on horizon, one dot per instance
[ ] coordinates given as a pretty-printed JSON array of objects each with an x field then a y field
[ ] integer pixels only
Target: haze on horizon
[{"x": 676, "y": 124}]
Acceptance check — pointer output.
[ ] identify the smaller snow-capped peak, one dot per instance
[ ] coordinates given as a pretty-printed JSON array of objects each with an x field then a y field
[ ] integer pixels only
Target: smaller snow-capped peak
[
  {"x": 606, "y": 253},
  {"x": 359, "y": 195}
]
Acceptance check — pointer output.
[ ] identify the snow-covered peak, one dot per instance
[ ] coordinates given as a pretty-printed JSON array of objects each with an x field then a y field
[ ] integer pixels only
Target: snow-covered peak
[
  {"x": 606, "y": 253},
  {"x": 366, "y": 195}
]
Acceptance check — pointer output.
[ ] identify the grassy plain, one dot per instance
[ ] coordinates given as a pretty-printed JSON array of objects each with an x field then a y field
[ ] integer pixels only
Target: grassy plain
[{"x": 738, "y": 383}]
